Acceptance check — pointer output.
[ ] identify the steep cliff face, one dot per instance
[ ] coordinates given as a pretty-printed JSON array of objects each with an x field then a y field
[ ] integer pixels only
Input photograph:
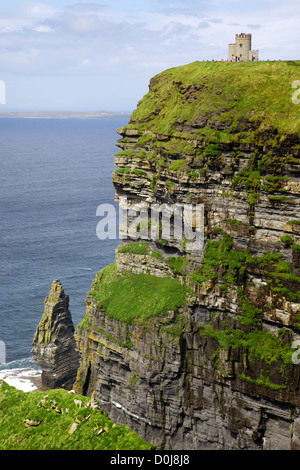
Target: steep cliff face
[
  {"x": 54, "y": 347},
  {"x": 193, "y": 348}
]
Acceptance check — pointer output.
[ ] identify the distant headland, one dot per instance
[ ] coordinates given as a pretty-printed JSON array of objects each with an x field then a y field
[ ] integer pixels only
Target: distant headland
[{"x": 60, "y": 114}]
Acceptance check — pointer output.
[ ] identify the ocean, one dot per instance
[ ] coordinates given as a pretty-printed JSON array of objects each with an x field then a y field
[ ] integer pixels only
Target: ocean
[{"x": 54, "y": 174}]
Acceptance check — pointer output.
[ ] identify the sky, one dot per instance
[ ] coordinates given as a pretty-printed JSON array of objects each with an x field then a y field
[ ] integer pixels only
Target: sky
[{"x": 98, "y": 55}]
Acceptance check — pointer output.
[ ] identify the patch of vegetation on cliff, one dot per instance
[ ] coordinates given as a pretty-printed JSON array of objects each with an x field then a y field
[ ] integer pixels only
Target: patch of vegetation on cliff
[
  {"x": 136, "y": 296},
  {"x": 221, "y": 262},
  {"x": 53, "y": 420},
  {"x": 254, "y": 180},
  {"x": 178, "y": 264},
  {"x": 224, "y": 265},
  {"x": 279, "y": 276},
  {"x": 221, "y": 100},
  {"x": 258, "y": 346},
  {"x": 137, "y": 248},
  {"x": 257, "y": 343}
]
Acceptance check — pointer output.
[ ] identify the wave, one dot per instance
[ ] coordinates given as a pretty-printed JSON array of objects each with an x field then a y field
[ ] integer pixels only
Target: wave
[
  {"x": 22, "y": 374},
  {"x": 26, "y": 362}
]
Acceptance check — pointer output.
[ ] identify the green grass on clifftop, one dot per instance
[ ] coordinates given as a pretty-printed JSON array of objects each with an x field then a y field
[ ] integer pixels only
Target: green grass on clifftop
[
  {"x": 136, "y": 296},
  {"x": 42, "y": 421},
  {"x": 226, "y": 94}
]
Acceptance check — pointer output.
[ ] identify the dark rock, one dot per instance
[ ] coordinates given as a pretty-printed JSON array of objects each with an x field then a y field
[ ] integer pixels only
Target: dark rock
[{"x": 54, "y": 344}]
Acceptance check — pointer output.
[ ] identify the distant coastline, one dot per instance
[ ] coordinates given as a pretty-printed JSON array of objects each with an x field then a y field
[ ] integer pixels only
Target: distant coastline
[{"x": 60, "y": 114}]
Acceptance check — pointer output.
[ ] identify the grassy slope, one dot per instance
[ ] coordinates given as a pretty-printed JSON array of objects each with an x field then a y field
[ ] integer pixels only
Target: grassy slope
[
  {"x": 261, "y": 92},
  {"x": 136, "y": 296},
  {"x": 53, "y": 431}
]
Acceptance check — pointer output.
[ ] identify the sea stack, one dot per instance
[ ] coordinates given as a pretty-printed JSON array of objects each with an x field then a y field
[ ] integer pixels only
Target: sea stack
[{"x": 54, "y": 347}]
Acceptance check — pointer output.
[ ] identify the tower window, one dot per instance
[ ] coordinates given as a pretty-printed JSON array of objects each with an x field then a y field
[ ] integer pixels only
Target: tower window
[{"x": 241, "y": 45}]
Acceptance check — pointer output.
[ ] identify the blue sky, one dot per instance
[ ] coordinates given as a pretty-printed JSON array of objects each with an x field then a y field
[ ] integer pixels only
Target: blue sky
[{"x": 99, "y": 55}]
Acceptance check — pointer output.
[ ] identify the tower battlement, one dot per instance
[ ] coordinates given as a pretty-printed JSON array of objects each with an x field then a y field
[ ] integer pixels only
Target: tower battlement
[
  {"x": 243, "y": 36},
  {"x": 241, "y": 50}
]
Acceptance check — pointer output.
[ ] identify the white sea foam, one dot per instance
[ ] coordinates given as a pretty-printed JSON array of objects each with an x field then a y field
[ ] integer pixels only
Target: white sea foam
[
  {"x": 22, "y": 379},
  {"x": 23, "y": 374}
]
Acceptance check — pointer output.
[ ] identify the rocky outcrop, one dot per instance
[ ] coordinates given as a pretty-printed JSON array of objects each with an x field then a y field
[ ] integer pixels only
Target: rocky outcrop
[
  {"x": 212, "y": 366},
  {"x": 54, "y": 347}
]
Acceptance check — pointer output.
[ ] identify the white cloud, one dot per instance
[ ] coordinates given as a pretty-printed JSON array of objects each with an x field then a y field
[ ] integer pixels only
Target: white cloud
[
  {"x": 38, "y": 10},
  {"x": 43, "y": 29},
  {"x": 10, "y": 28},
  {"x": 85, "y": 24},
  {"x": 86, "y": 7}
]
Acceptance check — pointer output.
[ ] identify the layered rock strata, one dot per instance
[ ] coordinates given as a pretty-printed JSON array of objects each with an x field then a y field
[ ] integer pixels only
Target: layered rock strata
[
  {"x": 213, "y": 366},
  {"x": 54, "y": 347}
]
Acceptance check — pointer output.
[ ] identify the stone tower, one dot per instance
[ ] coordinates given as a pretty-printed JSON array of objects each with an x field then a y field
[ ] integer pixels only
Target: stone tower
[{"x": 241, "y": 50}]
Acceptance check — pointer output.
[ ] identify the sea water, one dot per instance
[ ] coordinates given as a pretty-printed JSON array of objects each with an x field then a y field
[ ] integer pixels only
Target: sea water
[{"x": 54, "y": 173}]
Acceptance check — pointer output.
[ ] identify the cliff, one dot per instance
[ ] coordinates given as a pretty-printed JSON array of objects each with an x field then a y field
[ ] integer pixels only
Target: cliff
[
  {"x": 193, "y": 347},
  {"x": 54, "y": 347}
]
